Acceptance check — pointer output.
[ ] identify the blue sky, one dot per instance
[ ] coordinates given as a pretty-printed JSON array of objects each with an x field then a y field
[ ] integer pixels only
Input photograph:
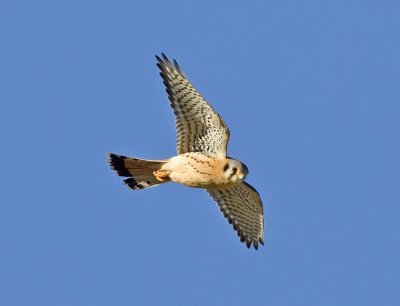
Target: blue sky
[{"x": 310, "y": 92}]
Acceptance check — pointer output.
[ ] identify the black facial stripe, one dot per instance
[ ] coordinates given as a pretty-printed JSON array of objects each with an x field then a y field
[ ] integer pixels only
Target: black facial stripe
[{"x": 226, "y": 167}]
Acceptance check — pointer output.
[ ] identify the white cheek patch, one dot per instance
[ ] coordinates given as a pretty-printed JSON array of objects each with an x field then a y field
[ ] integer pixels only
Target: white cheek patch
[
  {"x": 228, "y": 175},
  {"x": 234, "y": 178}
]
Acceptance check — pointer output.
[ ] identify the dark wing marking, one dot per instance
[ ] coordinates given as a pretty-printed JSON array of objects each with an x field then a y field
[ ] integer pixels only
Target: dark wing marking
[
  {"x": 199, "y": 127},
  {"x": 243, "y": 208}
]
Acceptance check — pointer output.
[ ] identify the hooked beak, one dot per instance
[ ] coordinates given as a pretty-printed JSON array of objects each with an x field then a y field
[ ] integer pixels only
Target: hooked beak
[{"x": 240, "y": 174}]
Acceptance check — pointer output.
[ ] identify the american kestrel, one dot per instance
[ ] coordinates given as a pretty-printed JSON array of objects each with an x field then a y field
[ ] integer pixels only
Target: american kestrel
[{"x": 202, "y": 139}]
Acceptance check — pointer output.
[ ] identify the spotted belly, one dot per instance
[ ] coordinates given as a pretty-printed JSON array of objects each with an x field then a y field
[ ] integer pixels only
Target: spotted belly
[{"x": 197, "y": 170}]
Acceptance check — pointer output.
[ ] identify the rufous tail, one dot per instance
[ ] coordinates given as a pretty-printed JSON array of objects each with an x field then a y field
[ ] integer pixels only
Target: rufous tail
[{"x": 141, "y": 173}]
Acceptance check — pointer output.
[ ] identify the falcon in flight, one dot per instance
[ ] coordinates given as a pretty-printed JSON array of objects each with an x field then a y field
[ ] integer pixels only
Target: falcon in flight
[{"x": 201, "y": 161}]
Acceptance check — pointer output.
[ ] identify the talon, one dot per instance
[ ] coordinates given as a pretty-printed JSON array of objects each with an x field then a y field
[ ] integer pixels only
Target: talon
[{"x": 162, "y": 175}]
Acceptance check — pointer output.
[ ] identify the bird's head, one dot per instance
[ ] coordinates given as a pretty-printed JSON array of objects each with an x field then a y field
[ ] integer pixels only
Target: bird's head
[{"x": 235, "y": 171}]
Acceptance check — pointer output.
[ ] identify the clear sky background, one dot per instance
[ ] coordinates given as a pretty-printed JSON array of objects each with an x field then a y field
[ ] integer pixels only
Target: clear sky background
[{"x": 310, "y": 92}]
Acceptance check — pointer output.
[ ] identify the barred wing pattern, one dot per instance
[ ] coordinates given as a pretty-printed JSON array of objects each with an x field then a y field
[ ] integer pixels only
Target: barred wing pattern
[
  {"x": 199, "y": 127},
  {"x": 243, "y": 208}
]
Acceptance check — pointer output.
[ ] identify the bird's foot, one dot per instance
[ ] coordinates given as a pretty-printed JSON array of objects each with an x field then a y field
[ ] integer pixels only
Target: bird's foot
[{"x": 162, "y": 175}]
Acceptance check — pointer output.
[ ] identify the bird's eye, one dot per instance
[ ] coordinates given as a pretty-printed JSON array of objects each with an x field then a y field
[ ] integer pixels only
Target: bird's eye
[{"x": 234, "y": 170}]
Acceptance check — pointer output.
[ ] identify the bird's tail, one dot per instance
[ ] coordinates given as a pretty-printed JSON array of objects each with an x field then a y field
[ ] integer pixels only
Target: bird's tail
[{"x": 141, "y": 172}]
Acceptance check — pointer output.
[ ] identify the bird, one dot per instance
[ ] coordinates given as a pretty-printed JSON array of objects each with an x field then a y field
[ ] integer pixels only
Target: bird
[{"x": 201, "y": 160}]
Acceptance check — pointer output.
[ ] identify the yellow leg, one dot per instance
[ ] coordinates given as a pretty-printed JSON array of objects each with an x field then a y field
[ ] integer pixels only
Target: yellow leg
[{"x": 162, "y": 175}]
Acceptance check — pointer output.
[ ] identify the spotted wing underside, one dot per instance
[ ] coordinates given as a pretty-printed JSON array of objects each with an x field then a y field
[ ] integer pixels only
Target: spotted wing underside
[
  {"x": 199, "y": 127},
  {"x": 243, "y": 208}
]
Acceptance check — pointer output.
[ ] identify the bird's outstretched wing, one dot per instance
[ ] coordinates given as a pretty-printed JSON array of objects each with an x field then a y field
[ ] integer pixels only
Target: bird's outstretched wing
[
  {"x": 199, "y": 127},
  {"x": 243, "y": 208}
]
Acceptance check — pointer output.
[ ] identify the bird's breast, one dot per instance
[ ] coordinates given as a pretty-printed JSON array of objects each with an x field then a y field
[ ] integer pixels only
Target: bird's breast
[{"x": 198, "y": 170}]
